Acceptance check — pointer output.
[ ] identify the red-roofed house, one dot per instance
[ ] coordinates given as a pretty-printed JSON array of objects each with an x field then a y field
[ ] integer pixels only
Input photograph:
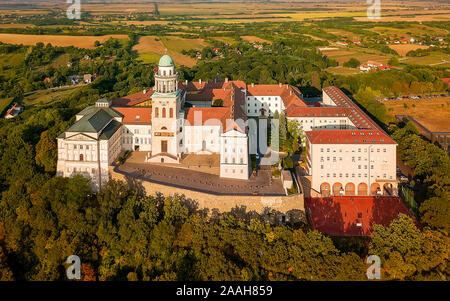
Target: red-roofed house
[
  {"x": 447, "y": 81},
  {"x": 15, "y": 110}
]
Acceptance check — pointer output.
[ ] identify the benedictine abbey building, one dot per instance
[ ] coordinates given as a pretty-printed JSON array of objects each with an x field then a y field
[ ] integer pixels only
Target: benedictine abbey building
[{"x": 347, "y": 153}]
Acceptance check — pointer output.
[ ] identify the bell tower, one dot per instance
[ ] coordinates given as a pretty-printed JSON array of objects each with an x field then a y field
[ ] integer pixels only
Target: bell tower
[
  {"x": 166, "y": 79},
  {"x": 166, "y": 107}
]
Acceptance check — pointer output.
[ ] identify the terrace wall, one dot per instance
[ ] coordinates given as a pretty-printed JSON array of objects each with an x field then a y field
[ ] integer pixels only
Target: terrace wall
[{"x": 224, "y": 203}]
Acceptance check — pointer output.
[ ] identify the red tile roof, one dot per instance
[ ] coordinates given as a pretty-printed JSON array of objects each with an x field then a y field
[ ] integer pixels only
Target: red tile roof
[
  {"x": 340, "y": 215},
  {"x": 135, "y": 115},
  {"x": 447, "y": 80},
  {"x": 14, "y": 110},
  {"x": 359, "y": 118},
  {"x": 233, "y": 102},
  {"x": 133, "y": 99},
  {"x": 209, "y": 95},
  {"x": 296, "y": 111},
  {"x": 207, "y": 116},
  {"x": 348, "y": 137},
  {"x": 289, "y": 94}
]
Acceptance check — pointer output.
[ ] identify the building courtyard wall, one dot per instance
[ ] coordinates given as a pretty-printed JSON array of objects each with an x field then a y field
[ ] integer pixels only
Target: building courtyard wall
[{"x": 223, "y": 203}]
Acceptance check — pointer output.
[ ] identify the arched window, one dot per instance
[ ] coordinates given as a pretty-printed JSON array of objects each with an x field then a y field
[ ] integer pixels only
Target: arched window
[
  {"x": 164, "y": 72},
  {"x": 81, "y": 157},
  {"x": 156, "y": 112},
  {"x": 164, "y": 113},
  {"x": 171, "y": 112}
]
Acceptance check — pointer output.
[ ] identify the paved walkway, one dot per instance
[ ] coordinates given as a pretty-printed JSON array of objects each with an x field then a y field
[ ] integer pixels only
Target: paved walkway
[{"x": 262, "y": 184}]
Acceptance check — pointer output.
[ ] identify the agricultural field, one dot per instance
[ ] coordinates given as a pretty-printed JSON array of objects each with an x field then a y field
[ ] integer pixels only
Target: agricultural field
[
  {"x": 11, "y": 59},
  {"x": 43, "y": 97},
  {"x": 434, "y": 113},
  {"x": 403, "y": 49},
  {"x": 342, "y": 70},
  {"x": 363, "y": 55},
  {"x": 150, "y": 48},
  {"x": 410, "y": 31},
  {"x": 437, "y": 59},
  {"x": 253, "y": 39},
  {"x": 57, "y": 40}
]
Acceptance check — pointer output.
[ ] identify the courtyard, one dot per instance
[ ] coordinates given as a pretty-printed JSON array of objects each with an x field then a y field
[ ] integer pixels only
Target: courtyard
[{"x": 200, "y": 173}]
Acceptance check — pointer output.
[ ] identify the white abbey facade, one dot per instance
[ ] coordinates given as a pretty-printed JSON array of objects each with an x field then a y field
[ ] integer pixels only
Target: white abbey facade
[{"x": 347, "y": 153}]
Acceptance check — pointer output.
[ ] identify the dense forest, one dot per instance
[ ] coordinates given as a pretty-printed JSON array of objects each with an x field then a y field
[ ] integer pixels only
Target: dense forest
[{"x": 122, "y": 234}]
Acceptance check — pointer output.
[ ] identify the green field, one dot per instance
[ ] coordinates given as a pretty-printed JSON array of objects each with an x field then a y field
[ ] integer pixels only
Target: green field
[
  {"x": 149, "y": 57},
  {"x": 437, "y": 59},
  {"x": 42, "y": 97},
  {"x": 343, "y": 70},
  {"x": 11, "y": 59},
  {"x": 4, "y": 104}
]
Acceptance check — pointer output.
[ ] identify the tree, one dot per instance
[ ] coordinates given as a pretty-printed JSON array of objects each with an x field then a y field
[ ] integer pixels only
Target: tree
[
  {"x": 46, "y": 152},
  {"x": 366, "y": 98},
  {"x": 217, "y": 102},
  {"x": 288, "y": 163},
  {"x": 435, "y": 212},
  {"x": 282, "y": 129},
  {"x": 352, "y": 63},
  {"x": 393, "y": 61},
  {"x": 408, "y": 253}
]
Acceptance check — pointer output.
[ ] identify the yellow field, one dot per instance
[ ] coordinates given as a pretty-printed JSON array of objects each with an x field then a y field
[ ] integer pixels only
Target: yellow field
[
  {"x": 252, "y": 39},
  {"x": 63, "y": 41},
  {"x": 417, "y": 18},
  {"x": 141, "y": 23},
  {"x": 433, "y": 113},
  {"x": 403, "y": 49},
  {"x": 170, "y": 45}
]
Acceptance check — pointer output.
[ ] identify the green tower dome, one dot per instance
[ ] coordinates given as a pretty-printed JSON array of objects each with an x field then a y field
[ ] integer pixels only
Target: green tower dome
[{"x": 166, "y": 61}]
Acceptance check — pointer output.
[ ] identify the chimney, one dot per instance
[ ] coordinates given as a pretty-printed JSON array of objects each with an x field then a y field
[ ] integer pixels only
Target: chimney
[
  {"x": 145, "y": 91},
  {"x": 290, "y": 92},
  {"x": 200, "y": 81},
  {"x": 280, "y": 84},
  {"x": 287, "y": 87},
  {"x": 226, "y": 79},
  {"x": 186, "y": 83},
  {"x": 253, "y": 85}
]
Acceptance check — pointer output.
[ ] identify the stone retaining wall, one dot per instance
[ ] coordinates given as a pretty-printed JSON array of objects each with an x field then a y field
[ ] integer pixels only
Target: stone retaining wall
[{"x": 224, "y": 203}]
